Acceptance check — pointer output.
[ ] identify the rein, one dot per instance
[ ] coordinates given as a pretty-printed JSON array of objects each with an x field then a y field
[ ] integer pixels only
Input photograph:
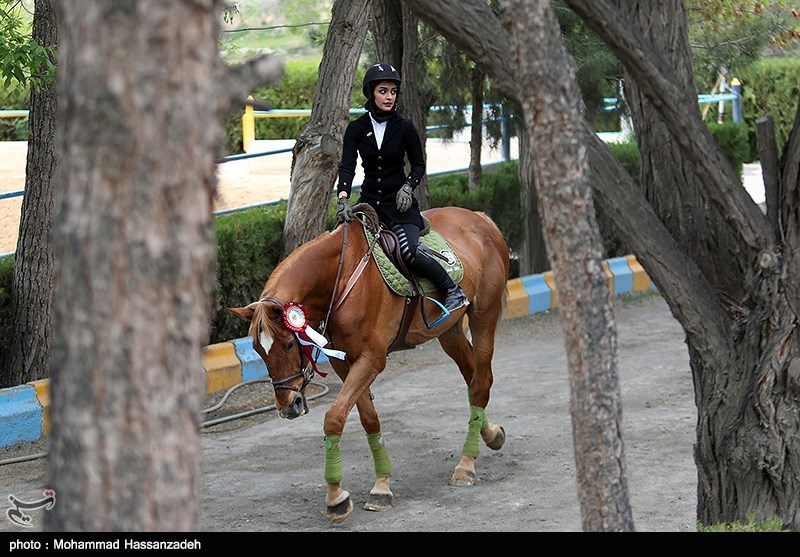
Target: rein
[{"x": 307, "y": 371}]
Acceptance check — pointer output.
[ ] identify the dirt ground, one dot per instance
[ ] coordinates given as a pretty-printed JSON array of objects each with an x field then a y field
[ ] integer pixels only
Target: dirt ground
[{"x": 265, "y": 474}]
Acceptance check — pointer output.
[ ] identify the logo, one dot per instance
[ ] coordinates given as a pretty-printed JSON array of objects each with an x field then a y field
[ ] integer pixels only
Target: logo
[
  {"x": 450, "y": 258},
  {"x": 16, "y": 515}
]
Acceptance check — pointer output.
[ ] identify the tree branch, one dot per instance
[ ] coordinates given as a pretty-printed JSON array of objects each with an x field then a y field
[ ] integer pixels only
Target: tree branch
[
  {"x": 691, "y": 297},
  {"x": 481, "y": 35},
  {"x": 743, "y": 216},
  {"x": 239, "y": 82}
]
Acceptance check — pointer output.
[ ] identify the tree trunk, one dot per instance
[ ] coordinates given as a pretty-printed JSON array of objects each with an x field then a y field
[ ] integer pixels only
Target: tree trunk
[
  {"x": 34, "y": 266},
  {"x": 550, "y": 103},
  {"x": 476, "y": 130},
  {"x": 386, "y": 26},
  {"x": 318, "y": 149},
  {"x": 414, "y": 103},
  {"x": 134, "y": 242},
  {"x": 739, "y": 308},
  {"x": 745, "y": 367}
]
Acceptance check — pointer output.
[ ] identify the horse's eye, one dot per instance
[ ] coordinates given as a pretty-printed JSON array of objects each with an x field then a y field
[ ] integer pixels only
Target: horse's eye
[{"x": 290, "y": 345}]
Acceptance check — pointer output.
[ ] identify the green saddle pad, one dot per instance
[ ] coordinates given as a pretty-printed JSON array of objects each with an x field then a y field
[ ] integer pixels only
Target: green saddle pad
[{"x": 400, "y": 284}]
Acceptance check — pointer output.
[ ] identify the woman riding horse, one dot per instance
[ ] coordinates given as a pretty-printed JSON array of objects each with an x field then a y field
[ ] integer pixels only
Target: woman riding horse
[{"x": 383, "y": 138}]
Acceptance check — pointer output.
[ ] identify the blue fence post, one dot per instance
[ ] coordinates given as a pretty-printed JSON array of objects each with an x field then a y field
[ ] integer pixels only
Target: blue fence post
[{"x": 736, "y": 89}]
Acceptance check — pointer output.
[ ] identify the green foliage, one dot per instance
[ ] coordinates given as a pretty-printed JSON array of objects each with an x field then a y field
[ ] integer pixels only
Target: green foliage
[
  {"x": 249, "y": 245},
  {"x": 232, "y": 141},
  {"x": 6, "y": 316},
  {"x": 732, "y": 138},
  {"x": 23, "y": 61},
  {"x": 770, "y": 87},
  {"x": 599, "y": 72},
  {"x": 628, "y": 155},
  {"x": 498, "y": 197},
  {"x": 728, "y": 35},
  {"x": 13, "y": 129},
  {"x": 772, "y": 525}
]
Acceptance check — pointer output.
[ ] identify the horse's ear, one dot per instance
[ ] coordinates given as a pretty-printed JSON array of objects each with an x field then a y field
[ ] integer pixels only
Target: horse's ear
[{"x": 246, "y": 312}]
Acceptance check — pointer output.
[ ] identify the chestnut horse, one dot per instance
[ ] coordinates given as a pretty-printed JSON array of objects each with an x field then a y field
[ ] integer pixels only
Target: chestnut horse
[{"x": 330, "y": 293}]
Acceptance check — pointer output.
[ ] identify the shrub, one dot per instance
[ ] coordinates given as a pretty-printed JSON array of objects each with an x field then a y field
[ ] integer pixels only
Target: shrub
[
  {"x": 770, "y": 87},
  {"x": 6, "y": 317},
  {"x": 249, "y": 245}
]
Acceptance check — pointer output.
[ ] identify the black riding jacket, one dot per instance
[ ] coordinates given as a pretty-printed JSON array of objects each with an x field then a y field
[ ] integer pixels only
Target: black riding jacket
[{"x": 384, "y": 168}]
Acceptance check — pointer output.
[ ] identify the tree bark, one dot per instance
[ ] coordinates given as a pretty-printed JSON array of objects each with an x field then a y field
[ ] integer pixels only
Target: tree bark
[
  {"x": 476, "y": 129},
  {"x": 318, "y": 149},
  {"x": 550, "y": 106},
  {"x": 34, "y": 265},
  {"x": 744, "y": 456},
  {"x": 415, "y": 105},
  {"x": 386, "y": 26},
  {"x": 142, "y": 95}
]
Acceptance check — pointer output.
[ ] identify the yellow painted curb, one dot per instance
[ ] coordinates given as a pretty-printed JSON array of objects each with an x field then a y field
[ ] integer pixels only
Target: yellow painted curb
[
  {"x": 641, "y": 280},
  {"x": 610, "y": 277},
  {"x": 223, "y": 368},
  {"x": 517, "y": 299},
  {"x": 550, "y": 279},
  {"x": 42, "y": 388}
]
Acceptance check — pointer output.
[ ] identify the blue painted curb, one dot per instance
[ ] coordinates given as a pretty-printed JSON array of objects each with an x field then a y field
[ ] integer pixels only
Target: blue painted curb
[{"x": 21, "y": 415}]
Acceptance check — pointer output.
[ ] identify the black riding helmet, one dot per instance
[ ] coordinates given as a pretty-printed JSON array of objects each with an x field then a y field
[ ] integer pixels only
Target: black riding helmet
[{"x": 377, "y": 73}]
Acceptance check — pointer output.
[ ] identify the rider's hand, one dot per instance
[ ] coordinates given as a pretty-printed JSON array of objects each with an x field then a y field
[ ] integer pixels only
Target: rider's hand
[
  {"x": 404, "y": 197},
  {"x": 344, "y": 213}
]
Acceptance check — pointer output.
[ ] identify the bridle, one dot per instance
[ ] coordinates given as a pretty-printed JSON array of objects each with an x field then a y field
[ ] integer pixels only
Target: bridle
[{"x": 308, "y": 370}]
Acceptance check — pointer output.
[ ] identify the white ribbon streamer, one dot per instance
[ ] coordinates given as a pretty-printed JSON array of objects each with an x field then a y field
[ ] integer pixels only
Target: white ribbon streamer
[{"x": 320, "y": 341}]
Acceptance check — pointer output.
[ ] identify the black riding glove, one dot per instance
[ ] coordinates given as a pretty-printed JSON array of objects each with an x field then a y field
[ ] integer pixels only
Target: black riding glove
[
  {"x": 404, "y": 197},
  {"x": 344, "y": 213}
]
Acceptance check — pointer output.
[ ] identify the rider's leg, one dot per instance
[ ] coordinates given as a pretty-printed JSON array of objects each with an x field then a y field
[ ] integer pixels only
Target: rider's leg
[{"x": 424, "y": 264}]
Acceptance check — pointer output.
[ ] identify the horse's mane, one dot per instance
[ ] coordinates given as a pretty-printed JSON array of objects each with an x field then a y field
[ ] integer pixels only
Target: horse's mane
[
  {"x": 263, "y": 322},
  {"x": 286, "y": 281}
]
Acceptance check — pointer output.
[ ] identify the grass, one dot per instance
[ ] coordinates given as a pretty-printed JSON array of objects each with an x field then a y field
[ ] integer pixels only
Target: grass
[{"x": 772, "y": 525}]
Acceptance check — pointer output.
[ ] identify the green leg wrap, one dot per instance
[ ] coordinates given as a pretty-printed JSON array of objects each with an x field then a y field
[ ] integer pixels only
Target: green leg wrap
[
  {"x": 333, "y": 460},
  {"x": 383, "y": 466},
  {"x": 485, "y": 422},
  {"x": 477, "y": 417}
]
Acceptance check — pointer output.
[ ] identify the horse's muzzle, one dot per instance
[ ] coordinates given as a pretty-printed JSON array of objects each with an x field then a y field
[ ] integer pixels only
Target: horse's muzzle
[{"x": 297, "y": 408}]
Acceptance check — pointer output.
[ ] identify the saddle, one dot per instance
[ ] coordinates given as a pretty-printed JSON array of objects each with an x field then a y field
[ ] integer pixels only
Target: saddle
[{"x": 394, "y": 270}]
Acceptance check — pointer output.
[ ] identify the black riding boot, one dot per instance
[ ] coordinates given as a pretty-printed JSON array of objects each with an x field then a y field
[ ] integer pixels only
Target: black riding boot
[{"x": 426, "y": 266}]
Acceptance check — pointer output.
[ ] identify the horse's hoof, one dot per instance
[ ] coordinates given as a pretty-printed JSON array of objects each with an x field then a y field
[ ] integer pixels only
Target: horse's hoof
[
  {"x": 378, "y": 502},
  {"x": 495, "y": 443},
  {"x": 338, "y": 513},
  {"x": 462, "y": 478}
]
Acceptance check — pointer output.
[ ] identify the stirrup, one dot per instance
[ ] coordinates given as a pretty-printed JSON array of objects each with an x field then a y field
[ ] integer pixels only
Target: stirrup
[{"x": 445, "y": 312}]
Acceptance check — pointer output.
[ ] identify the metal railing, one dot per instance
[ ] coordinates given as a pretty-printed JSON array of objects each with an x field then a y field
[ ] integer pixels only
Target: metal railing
[{"x": 250, "y": 115}]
